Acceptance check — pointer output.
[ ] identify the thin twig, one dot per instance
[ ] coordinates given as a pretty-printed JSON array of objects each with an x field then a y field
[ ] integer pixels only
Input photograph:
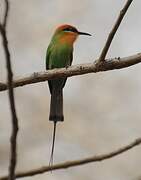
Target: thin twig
[
  {"x": 79, "y": 162},
  {"x": 6, "y": 13},
  {"x": 13, "y": 150},
  {"x": 109, "y": 64},
  {"x": 114, "y": 30}
]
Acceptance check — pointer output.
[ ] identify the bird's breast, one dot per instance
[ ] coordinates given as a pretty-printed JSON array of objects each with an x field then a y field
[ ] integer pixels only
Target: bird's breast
[{"x": 61, "y": 56}]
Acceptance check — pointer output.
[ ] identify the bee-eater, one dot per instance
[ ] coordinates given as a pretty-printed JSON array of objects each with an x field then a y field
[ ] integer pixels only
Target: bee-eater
[{"x": 59, "y": 54}]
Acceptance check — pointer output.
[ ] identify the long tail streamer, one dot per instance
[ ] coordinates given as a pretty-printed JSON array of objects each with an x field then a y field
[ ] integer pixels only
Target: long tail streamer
[{"x": 53, "y": 145}]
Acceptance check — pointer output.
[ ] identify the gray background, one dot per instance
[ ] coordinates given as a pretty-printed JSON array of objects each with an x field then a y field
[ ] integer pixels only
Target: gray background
[{"x": 102, "y": 111}]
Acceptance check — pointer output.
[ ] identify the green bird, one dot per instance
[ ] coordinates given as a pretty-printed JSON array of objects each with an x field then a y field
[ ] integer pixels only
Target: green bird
[{"x": 59, "y": 54}]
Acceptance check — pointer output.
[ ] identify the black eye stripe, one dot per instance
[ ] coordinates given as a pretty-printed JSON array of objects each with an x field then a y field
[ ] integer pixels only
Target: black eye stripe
[{"x": 70, "y": 29}]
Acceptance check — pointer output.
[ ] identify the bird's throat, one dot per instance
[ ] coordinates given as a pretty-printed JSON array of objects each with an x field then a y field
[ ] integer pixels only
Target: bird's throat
[{"x": 68, "y": 39}]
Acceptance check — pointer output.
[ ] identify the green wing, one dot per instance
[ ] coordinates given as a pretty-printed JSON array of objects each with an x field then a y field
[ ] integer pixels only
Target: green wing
[
  {"x": 48, "y": 56},
  {"x": 48, "y": 64}
]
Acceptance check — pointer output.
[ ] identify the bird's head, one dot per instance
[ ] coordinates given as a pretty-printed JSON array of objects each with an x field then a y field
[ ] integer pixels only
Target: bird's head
[{"x": 68, "y": 34}]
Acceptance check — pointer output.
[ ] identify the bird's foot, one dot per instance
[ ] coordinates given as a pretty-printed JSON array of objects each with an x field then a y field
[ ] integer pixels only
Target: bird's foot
[{"x": 67, "y": 66}]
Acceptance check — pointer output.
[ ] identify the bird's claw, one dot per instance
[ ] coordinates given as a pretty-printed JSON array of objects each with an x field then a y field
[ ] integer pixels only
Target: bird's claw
[{"x": 67, "y": 66}]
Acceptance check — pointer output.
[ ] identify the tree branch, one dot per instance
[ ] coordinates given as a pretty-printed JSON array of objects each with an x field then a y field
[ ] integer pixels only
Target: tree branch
[
  {"x": 6, "y": 13},
  {"x": 13, "y": 155},
  {"x": 109, "y": 64},
  {"x": 77, "y": 162},
  {"x": 114, "y": 30}
]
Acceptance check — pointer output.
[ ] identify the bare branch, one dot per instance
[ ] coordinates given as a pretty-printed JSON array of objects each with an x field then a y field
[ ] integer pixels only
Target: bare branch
[
  {"x": 12, "y": 164},
  {"x": 6, "y": 13},
  {"x": 114, "y": 30},
  {"x": 77, "y": 162},
  {"x": 109, "y": 64}
]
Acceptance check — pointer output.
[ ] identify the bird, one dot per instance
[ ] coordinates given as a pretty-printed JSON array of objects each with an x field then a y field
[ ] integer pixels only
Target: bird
[{"x": 59, "y": 54}]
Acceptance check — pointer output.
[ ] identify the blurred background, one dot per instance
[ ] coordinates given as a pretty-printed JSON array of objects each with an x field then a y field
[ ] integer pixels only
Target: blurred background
[{"x": 102, "y": 110}]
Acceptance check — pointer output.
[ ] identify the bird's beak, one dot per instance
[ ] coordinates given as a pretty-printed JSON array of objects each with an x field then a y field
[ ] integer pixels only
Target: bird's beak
[{"x": 83, "y": 33}]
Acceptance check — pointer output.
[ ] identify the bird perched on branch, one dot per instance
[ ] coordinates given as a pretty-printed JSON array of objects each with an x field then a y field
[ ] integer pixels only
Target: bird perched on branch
[{"x": 59, "y": 55}]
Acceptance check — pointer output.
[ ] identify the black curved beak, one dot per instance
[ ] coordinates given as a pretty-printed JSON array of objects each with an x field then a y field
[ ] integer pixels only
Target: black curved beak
[{"x": 83, "y": 33}]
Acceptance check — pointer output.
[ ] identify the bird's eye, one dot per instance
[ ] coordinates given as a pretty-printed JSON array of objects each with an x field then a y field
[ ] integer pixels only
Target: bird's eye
[{"x": 70, "y": 29}]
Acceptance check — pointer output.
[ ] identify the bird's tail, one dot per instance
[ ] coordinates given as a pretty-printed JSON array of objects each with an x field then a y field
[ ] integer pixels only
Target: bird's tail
[
  {"x": 53, "y": 143},
  {"x": 56, "y": 114},
  {"x": 56, "y": 106}
]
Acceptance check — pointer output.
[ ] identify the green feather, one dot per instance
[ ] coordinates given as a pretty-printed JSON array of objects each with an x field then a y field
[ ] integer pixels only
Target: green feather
[{"x": 58, "y": 55}]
